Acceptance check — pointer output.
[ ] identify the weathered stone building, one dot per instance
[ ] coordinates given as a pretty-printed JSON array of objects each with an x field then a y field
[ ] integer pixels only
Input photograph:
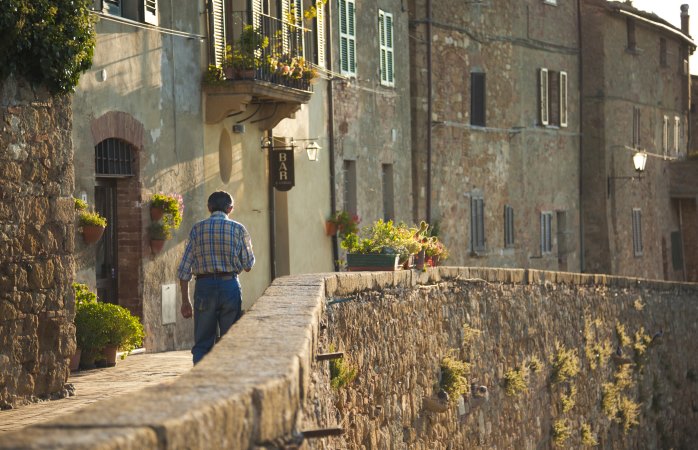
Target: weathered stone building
[
  {"x": 370, "y": 113},
  {"x": 176, "y": 131},
  {"x": 635, "y": 93},
  {"x": 37, "y": 232},
  {"x": 496, "y": 135}
]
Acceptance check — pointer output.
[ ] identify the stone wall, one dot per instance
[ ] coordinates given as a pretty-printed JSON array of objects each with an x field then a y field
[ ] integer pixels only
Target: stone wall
[
  {"x": 263, "y": 386},
  {"x": 37, "y": 234},
  {"x": 395, "y": 338}
]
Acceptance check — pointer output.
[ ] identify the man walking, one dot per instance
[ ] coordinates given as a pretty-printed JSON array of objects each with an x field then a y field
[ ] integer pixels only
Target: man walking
[{"x": 217, "y": 251}]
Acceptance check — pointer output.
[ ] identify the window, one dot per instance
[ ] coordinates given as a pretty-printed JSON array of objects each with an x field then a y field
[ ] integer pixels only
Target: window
[
  {"x": 138, "y": 10},
  {"x": 347, "y": 37},
  {"x": 636, "y": 127},
  {"x": 477, "y": 99},
  {"x": 508, "y": 226},
  {"x": 113, "y": 158},
  {"x": 677, "y": 134},
  {"x": 563, "y": 99},
  {"x": 292, "y": 38},
  {"x": 546, "y": 234},
  {"x": 543, "y": 94},
  {"x": 632, "y": 43},
  {"x": 665, "y": 135},
  {"x": 662, "y": 52},
  {"x": 350, "y": 203},
  {"x": 388, "y": 193},
  {"x": 637, "y": 232},
  {"x": 477, "y": 223},
  {"x": 385, "y": 25}
]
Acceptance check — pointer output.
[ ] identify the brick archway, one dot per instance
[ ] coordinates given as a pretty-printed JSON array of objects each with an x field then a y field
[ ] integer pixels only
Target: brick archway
[{"x": 128, "y": 232}]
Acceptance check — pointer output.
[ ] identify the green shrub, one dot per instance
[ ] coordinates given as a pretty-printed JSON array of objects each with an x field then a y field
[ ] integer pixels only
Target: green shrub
[
  {"x": 172, "y": 206},
  {"x": 561, "y": 431},
  {"x": 341, "y": 372},
  {"x": 515, "y": 381},
  {"x": 565, "y": 364},
  {"x": 47, "y": 42},
  {"x": 454, "y": 377},
  {"x": 91, "y": 218},
  {"x": 383, "y": 238}
]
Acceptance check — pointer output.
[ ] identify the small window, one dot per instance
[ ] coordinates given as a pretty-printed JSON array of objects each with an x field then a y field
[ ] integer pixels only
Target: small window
[
  {"x": 477, "y": 99},
  {"x": 632, "y": 42},
  {"x": 385, "y": 25},
  {"x": 662, "y": 52},
  {"x": 477, "y": 223},
  {"x": 113, "y": 157},
  {"x": 347, "y": 37},
  {"x": 665, "y": 135},
  {"x": 349, "y": 172},
  {"x": 508, "y": 226},
  {"x": 637, "y": 232},
  {"x": 546, "y": 234},
  {"x": 388, "y": 193},
  {"x": 636, "y": 127},
  {"x": 543, "y": 96}
]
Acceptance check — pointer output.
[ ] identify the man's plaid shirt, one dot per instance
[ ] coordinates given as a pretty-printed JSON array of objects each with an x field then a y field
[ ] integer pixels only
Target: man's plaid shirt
[{"x": 216, "y": 244}]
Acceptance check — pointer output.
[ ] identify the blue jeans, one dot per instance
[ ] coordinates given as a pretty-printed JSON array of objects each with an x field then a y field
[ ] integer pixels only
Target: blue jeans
[{"x": 217, "y": 306}]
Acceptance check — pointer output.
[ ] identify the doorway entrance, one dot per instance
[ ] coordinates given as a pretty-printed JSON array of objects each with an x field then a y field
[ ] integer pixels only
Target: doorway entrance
[{"x": 106, "y": 266}]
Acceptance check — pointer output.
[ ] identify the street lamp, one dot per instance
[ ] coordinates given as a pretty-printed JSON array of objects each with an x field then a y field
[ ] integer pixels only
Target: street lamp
[
  {"x": 312, "y": 149},
  {"x": 639, "y": 161}
]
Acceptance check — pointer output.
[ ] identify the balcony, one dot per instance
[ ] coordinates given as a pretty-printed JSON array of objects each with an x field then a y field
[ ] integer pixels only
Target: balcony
[{"x": 265, "y": 74}]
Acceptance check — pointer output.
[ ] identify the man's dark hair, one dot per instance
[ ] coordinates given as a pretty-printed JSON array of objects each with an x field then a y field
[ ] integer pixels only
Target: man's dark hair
[{"x": 220, "y": 201}]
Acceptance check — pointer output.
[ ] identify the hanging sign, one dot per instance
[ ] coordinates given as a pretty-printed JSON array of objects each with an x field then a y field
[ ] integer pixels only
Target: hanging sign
[{"x": 282, "y": 169}]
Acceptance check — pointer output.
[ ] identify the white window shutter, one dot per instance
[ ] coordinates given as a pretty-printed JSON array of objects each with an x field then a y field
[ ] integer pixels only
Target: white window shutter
[
  {"x": 320, "y": 20},
  {"x": 677, "y": 134},
  {"x": 218, "y": 24},
  {"x": 389, "y": 47},
  {"x": 285, "y": 14},
  {"x": 665, "y": 135},
  {"x": 563, "y": 99},
  {"x": 543, "y": 89},
  {"x": 150, "y": 12},
  {"x": 256, "y": 6}
]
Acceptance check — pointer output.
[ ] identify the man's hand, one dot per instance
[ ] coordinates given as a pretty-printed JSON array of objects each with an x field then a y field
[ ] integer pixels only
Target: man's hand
[{"x": 186, "y": 309}]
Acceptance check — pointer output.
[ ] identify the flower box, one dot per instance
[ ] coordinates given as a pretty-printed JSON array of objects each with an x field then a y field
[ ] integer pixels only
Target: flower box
[{"x": 372, "y": 262}]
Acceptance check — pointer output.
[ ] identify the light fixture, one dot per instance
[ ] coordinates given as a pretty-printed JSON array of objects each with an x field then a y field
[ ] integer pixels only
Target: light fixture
[
  {"x": 639, "y": 161},
  {"x": 313, "y": 150}
]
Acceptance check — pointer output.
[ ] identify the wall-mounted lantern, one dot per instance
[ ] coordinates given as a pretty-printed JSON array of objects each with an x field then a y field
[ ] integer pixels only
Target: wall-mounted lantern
[
  {"x": 639, "y": 161},
  {"x": 313, "y": 149}
]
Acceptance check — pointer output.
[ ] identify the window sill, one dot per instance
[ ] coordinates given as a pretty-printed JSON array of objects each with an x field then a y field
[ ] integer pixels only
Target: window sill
[{"x": 636, "y": 51}]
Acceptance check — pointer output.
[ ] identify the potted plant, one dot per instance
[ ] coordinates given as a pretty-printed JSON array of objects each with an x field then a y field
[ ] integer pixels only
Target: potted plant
[
  {"x": 159, "y": 232},
  {"x": 381, "y": 246},
  {"x": 88, "y": 326},
  {"x": 342, "y": 222},
  {"x": 123, "y": 331},
  {"x": 91, "y": 223},
  {"x": 168, "y": 208},
  {"x": 246, "y": 56},
  {"x": 214, "y": 74}
]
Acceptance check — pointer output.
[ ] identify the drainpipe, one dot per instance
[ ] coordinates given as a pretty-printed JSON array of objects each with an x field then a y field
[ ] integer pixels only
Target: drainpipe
[
  {"x": 272, "y": 208},
  {"x": 687, "y": 98},
  {"x": 429, "y": 112},
  {"x": 581, "y": 151},
  {"x": 330, "y": 108}
]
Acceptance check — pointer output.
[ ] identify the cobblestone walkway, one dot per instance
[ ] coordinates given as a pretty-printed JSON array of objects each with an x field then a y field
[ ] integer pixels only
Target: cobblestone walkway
[{"x": 130, "y": 374}]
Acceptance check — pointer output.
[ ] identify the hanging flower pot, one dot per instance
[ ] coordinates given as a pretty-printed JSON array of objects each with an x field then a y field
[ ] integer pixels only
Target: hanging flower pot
[
  {"x": 156, "y": 213},
  {"x": 92, "y": 233},
  {"x": 156, "y": 245},
  {"x": 330, "y": 228}
]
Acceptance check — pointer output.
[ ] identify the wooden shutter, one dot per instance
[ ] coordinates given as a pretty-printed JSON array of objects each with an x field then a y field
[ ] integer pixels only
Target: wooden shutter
[
  {"x": 256, "y": 8},
  {"x": 347, "y": 37},
  {"x": 637, "y": 232},
  {"x": 477, "y": 98},
  {"x": 546, "y": 241},
  {"x": 665, "y": 135},
  {"x": 477, "y": 224},
  {"x": 563, "y": 99},
  {"x": 218, "y": 32},
  {"x": 677, "y": 134},
  {"x": 543, "y": 95},
  {"x": 636, "y": 127},
  {"x": 320, "y": 34},
  {"x": 150, "y": 12},
  {"x": 553, "y": 97},
  {"x": 385, "y": 33},
  {"x": 508, "y": 226}
]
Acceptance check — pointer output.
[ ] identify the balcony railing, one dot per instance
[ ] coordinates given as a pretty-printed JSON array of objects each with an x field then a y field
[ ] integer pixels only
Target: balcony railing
[{"x": 261, "y": 47}]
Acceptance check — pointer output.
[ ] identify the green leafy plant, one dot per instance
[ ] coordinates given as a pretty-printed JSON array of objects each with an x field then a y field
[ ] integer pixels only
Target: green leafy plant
[
  {"x": 535, "y": 365},
  {"x": 346, "y": 223},
  {"x": 569, "y": 400},
  {"x": 454, "y": 377},
  {"x": 80, "y": 205},
  {"x": 47, "y": 42},
  {"x": 160, "y": 231},
  {"x": 214, "y": 75},
  {"x": 561, "y": 432},
  {"x": 341, "y": 372},
  {"x": 515, "y": 381},
  {"x": 247, "y": 52},
  {"x": 565, "y": 364},
  {"x": 91, "y": 218},
  {"x": 172, "y": 206},
  {"x": 588, "y": 437},
  {"x": 383, "y": 238}
]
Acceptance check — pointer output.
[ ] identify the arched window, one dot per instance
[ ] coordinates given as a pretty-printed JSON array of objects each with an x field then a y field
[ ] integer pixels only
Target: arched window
[{"x": 113, "y": 157}]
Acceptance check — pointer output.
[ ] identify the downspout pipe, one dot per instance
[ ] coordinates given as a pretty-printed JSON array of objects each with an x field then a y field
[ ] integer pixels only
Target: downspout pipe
[
  {"x": 272, "y": 210},
  {"x": 429, "y": 112},
  {"x": 581, "y": 137},
  {"x": 330, "y": 108}
]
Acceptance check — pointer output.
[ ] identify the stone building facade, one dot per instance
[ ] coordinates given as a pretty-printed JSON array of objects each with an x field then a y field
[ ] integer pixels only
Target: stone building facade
[
  {"x": 37, "y": 234},
  {"x": 635, "y": 97},
  {"x": 497, "y": 162},
  {"x": 370, "y": 114}
]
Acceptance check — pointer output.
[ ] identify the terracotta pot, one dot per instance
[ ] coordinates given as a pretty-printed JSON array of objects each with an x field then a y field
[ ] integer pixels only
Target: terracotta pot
[
  {"x": 330, "y": 228},
  {"x": 419, "y": 260},
  {"x": 156, "y": 213},
  {"x": 92, "y": 233},
  {"x": 229, "y": 72},
  {"x": 109, "y": 354},
  {"x": 156, "y": 245},
  {"x": 75, "y": 360}
]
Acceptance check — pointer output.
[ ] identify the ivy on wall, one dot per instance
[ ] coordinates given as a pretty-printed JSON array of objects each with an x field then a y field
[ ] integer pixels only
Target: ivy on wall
[{"x": 49, "y": 42}]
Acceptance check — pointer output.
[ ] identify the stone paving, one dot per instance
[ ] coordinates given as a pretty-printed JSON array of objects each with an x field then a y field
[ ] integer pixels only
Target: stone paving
[{"x": 130, "y": 374}]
